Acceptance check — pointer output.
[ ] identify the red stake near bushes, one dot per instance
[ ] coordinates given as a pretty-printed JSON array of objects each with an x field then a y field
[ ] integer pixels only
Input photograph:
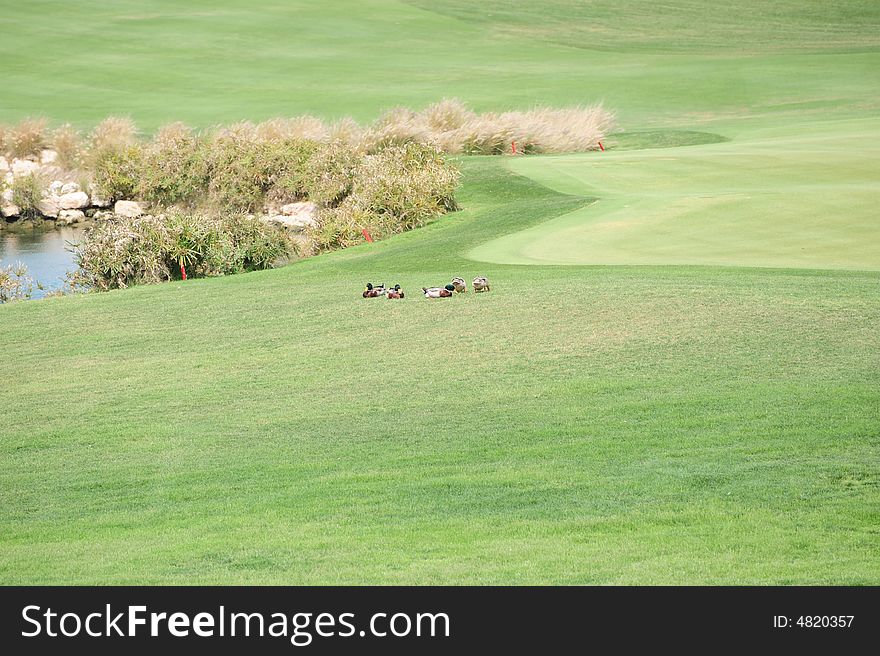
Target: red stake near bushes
[
  {"x": 366, "y": 235},
  {"x": 601, "y": 146},
  {"x": 513, "y": 147},
  {"x": 183, "y": 270}
]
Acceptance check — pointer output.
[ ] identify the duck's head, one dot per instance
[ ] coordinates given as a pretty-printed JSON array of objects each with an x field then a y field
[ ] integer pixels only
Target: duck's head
[
  {"x": 369, "y": 286},
  {"x": 450, "y": 288}
]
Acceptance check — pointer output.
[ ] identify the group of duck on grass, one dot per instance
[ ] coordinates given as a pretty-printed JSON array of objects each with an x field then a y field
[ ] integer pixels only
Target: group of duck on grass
[{"x": 458, "y": 285}]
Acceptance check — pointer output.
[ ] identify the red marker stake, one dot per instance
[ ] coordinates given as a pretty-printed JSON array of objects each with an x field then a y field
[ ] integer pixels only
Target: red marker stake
[
  {"x": 366, "y": 235},
  {"x": 601, "y": 146},
  {"x": 513, "y": 147},
  {"x": 183, "y": 271}
]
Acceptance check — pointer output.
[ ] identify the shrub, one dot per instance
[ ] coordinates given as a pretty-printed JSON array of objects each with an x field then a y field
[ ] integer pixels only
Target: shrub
[
  {"x": 117, "y": 173},
  {"x": 340, "y": 227},
  {"x": 291, "y": 169},
  {"x": 412, "y": 183},
  {"x": 15, "y": 283},
  {"x": 124, "y": 252},
  {"x": 243, "y": 169},
  {"x": 331, "y": 173},
  {"x": 239, "y": 168},
  {"x": 27, "y": 138},
  {"x": 246, "y": 244},
  {"x": 174, "y": 167},
  {"x": 396, "y": 189},
  {"x": 27, "y": 192},
  {"x": 68, "y": 143}
]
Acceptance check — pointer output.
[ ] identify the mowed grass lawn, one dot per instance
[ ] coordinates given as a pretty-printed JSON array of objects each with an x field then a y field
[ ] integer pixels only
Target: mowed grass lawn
[
  {"x": 575, "y": 425},
  {"x": 609, "y": 413},
  {"x": 803, "y": 195}
]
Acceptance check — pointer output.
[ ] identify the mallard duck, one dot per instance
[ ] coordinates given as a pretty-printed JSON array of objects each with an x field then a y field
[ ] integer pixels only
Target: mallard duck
[
  {"x": 438, "y": 292},
  {"x": 374, "y": 291},
  {"x": 459, "y": 285},
  {"x": 394, "y": 292},
  {"x": 481, "y": 284}
]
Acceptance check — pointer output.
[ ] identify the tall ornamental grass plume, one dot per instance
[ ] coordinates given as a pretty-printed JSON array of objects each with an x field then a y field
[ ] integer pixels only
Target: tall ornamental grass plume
[
  {"x": 455, "y": 129},
  {"x": 307, "y": 127},
  {"x": 112, "y": 135},
  {"x": 173, "y": 167},
  {"x": 16, "y": 283},
  {"x": 4, "y": 133},
  {"x": 27, "y": 138},
  {"x": 69, "y": 145},
  {"x": 447, "y": 115},
  {"x": 124, "y": 252},
  {"x": 396, "y": 189},
  {"x": 347, "y": 132},
  {"x": 397, "y": 126}
]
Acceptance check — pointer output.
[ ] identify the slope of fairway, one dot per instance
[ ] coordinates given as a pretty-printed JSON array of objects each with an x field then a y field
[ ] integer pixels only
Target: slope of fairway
[
  {"x": 574, "y": 425},
  {"x": 207, "y": 63},
  {"x": 801, "y": 196}
]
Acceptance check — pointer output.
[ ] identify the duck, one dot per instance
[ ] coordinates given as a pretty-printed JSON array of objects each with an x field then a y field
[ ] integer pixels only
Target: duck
[
  {"x": 374, "y": 291},
  {"x": 438, "y": 292},
  {"x": 481, "y": 284},
  {"x": 459, "y": 285},
  {"x": 394, "y": 292}
]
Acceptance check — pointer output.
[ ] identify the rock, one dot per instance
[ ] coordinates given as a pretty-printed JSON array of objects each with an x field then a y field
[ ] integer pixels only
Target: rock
[
  {"x": 7, "y": 196},
  {"x": 295, "y": 216},
  {"x": 48, "y": 156},
  {"x": 4, "y": 164},
  {"x": 9, "y": 211},
  {"x": 102, "y": 215},
  {"x": 23, "y": 167},
  {"x": 98, "y": 201},
  {"x": 9, "y": 178},
  {"x": 69, "y": 188},
  {"x": 128, "y": 208},
  {"x": 55, "y": 188},
  {"x": 49, "y": 207},
  {"x": 51, "y": 172},
  {"x": 69, "y": 217},
  {"x": 73, "y": 201},
  {"x": 299, "y": 209}
]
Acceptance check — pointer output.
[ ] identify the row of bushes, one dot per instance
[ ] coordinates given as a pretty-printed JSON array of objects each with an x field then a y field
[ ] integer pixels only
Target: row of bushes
[
  {"x": 151, "y": 249},
  {"x": 449, "y": 125}
]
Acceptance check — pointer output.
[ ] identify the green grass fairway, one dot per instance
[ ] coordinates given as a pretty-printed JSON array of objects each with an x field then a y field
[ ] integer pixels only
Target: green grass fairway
[
  {"x": 575, "y": 425},
  {"x": 225, "y": 60},
  {"x": 783, "y": 197},
  {"x": 624, "y": 418}
]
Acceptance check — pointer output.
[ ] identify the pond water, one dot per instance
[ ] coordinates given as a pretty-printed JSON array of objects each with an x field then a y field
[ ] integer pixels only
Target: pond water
[{"x": 43, "y": 251}]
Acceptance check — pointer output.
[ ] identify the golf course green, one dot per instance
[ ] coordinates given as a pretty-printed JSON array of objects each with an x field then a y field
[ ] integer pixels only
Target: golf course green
[{"x": 674, "y": 380}]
